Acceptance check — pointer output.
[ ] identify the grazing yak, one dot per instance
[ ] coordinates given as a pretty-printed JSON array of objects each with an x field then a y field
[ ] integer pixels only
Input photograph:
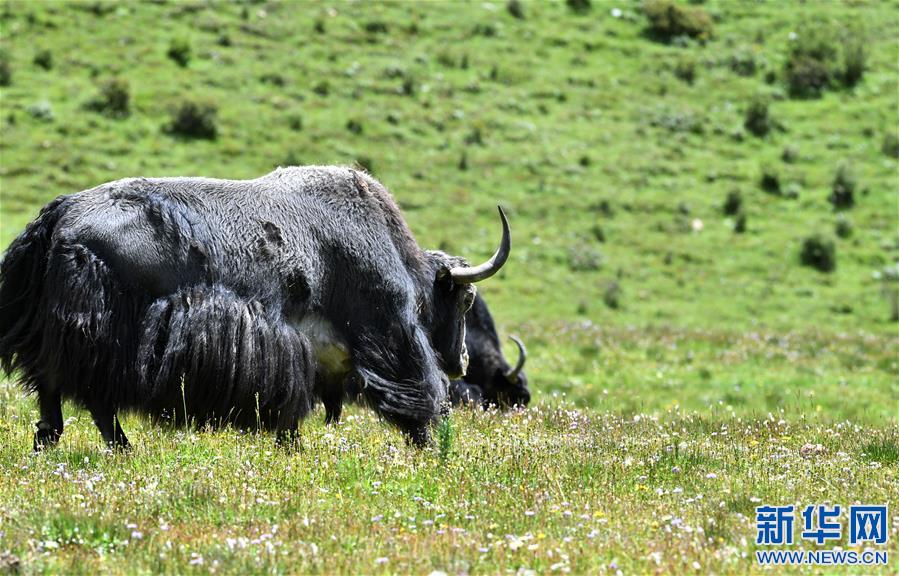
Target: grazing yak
[
  {"x": 212, "y": 301},
  {"x": 489, "y": 379}
]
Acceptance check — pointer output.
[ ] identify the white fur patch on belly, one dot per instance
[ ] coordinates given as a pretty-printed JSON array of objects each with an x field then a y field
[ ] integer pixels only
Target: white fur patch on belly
[{"x": 331, "y": 351}]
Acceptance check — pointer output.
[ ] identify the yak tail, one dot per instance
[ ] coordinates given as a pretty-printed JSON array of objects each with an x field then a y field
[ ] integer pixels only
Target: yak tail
[{"x": 22, "y": 279}]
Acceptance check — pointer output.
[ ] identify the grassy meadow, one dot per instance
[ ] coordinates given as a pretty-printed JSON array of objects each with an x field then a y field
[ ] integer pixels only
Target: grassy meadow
[{"x": 686, "y": 365}]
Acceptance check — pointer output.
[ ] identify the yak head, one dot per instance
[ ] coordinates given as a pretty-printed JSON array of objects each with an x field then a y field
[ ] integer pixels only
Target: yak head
[
  {"x": 496, "y": 382},
  {"x": 452, "y": 297}
]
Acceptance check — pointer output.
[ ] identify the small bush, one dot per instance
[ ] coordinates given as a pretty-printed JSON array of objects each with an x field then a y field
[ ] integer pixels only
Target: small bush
[
  {"x": 806, "y": 77},
  {"x": 179, "y": 52},
  {"x": 579, "y": 6},
  {"x": 822, "y": 57},
  {"x": 790, "y": 153},
  {"x": 733, "y": 203},
  {"x": 757, "y": 120},
  {"x": 323, "y": 88},
  {"x": 792, "y": 191},
  {"x": 770, "y": 180},
  {"x": 475, "y": 137},
  {"x": 194, "y": 119},
  {"x": 515, "y": 8},
  {"x": 854, "y": 61},
  {"x": 743, "y": 62},
  {"x": 44, "y": 59},
  {"x": 354, "y": 126},
  {"x": 598, "y": 233},
  {"x": 612, "y": 295},
  {"x": 463, "y": 162},
  {"x": 584, "y": 258},
  {"x": 678, "y": 121},
  {"x": 113, "y": 100},
  {"x": 819, "y": 253},
  {"x": 843, "y": 227},
  {"x": 5, "y": 69},
  {"x": 890, "y": 145},
  {"x": 669, "y": 20},
  {"x": 685, "y": 70},
  {"x": 41, "y": 111},
  {"x": 842, "y": 194},
  {"x": 740, "y": 223},
  {"x": 295, "y": 122},
  {"x": 377, "y": 27}
]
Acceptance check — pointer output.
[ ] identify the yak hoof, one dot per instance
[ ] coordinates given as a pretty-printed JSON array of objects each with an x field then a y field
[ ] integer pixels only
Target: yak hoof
[
  {"x": 45, "y": 437},
  {"x": 418, "y": 436}
]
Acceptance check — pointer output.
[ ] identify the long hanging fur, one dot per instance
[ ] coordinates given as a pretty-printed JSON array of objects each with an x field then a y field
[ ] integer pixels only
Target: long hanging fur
[
  {"x": 220, "y": 358},
  {"x": 67, "y": 324}
]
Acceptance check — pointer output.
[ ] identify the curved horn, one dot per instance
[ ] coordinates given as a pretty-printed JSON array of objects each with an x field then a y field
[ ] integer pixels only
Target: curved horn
[
  {"x": 472, "y": 274},
  {"x": 512, "y": 375}
]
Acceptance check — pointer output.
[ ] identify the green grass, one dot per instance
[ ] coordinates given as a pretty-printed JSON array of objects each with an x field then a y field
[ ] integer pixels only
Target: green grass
[{"x": 724, "y": 355}]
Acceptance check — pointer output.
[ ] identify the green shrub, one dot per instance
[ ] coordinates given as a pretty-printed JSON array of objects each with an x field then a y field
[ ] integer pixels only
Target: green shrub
[
  {"x": 41, "y": 111},
  {"x": 733, "y": 204},
  {"x": 770, "y": 180},
  {"x": 584, "y": 258},
  {"x": 822, "y": 57},
  {"x": 740, "y": 223},
  {"x": 354, "y": 126},
  {"x": 685, "y": 69},
  {"x": 854, "y": 61},
  {"x": 377, "y": 27},
  {"x": 819, "y": 253},
  {"x": 790, "y": 153},
  {"x": 179, "y": 52},
  {"x": 743, "y": 62},
  {"x": 5, "y": 69},
  {"x": 323, "y": 88},
  {"x": 890, "y": 145},
  {"x": 194, "y": 119},
  {"x": 757, "y": 120},
  {"x": 113, "y": 99},
  {"x": 44, "y": 59},
  {"x": 515, "y": 8},
  {"x": 295, "y": 122},
  {"x": 842, "y": 194},
  {"x": 669, "y": 20},
  {"x": 579, "y": 6},
  {"x": 843, "y": 227},
  {"x": 612, "y": 295}
]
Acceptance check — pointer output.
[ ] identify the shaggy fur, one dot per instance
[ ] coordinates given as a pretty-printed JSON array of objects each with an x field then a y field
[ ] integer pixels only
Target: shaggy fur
[
  {"x": 187, "y": 298},
  {"x": 485, "y": 381}
]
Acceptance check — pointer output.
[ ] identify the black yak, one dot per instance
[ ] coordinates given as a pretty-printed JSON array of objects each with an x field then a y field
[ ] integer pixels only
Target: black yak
[
  {"x": 489, "y": 380},
  {"x": 212, "y": 301}
]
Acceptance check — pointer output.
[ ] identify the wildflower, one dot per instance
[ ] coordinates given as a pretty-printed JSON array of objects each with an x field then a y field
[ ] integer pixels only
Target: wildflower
[
  {"x": 711, "y": 475},
  {"x": 381, "y": 560}
]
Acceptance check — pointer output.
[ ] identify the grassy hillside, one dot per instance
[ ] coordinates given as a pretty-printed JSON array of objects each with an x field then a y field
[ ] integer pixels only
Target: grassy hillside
[{"x": 614, "y": 152}]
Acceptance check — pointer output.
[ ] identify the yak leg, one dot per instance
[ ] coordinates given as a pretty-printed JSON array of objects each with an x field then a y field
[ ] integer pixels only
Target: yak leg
[
  {"x": 49, "y": 427},
  {"x": 106, "y": 420},
  {"x": 332, "y": 398}
]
